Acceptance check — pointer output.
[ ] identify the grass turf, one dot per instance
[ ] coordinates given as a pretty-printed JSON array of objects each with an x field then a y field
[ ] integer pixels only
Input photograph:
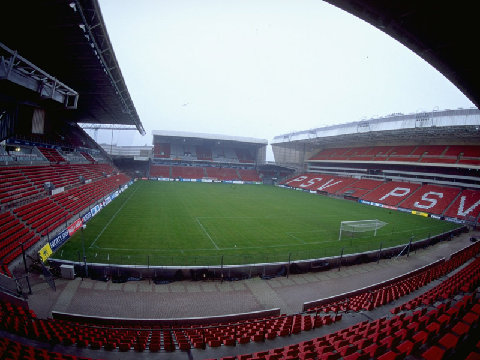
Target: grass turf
[{"x": 180, "y": 223}]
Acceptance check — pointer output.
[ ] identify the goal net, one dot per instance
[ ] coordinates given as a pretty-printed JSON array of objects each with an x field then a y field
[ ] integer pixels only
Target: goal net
[{"x": 359, "y": 226}]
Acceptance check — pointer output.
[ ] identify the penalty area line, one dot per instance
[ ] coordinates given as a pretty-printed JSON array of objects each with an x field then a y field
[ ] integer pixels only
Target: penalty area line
[{"x": 206, "y": 233}]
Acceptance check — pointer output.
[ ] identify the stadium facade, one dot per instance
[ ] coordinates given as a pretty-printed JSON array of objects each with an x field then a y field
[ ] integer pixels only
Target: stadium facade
[
  {"x": 424, "y": 163},
  {"x": 58, "y": 70},
  {"x": 455, "y": 127}
]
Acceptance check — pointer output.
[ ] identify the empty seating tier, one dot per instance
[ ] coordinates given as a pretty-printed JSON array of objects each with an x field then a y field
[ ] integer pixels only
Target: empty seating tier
[
  {"x": 433, "y": 199},
  {"x": 161, "y": 151},
  {"x": 391, "y": 193},
  {"x": 32, "y": 212},
  {"x": 188, "y": 172},
  {"x": 443, "y": 154},
  {"x": 224, "y": 174},
  {"x": 98, "y": 333},
  {"x": 249, "y": 175},
  {"x": 160, "y": 171},
  {"x": 52, "y": 155},
  {"x": 466, "y": 205}
]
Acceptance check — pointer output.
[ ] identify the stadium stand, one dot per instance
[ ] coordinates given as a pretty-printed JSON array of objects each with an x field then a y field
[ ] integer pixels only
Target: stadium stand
[
  {"x": 447, "y": 154},
  {"x": 467, "y": 204},
  {"x": 160, "y": 171},
  {"x": 52, "y": 155},
  {"x": 320, "y": 182},
  {"x": 29, "y": 212},
  {"x": 249, "y": 175},
  {"x": 432, "y": 199},
  {"x": 244, "y": 156},
  {"x": 188, "y": 172},
  {"x": 154, "y": 335},
  {"x": 161, "y": 150},
  {"x": 88, "y": 157},
  {"x": 203, "y": 153},
  {"x": 222, "y": 173},
  {"x": 13, "y": 350},
  {"x": 436, "y": 321},
  {"x": 365, "y": 184},
  {"x": 391, "y": 193},
  {"x": 429, "y": 198}
]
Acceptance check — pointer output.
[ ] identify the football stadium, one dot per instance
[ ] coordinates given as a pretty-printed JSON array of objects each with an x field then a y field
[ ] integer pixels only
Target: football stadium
[{"x": 358, "y": 242}]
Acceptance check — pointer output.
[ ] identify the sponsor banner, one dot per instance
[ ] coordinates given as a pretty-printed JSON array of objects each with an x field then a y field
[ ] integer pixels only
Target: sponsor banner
[
  {"x": 364, "y": 202},
  {"x": 58, "y": 190},
  {"x": 313, "y": 192},
  {"x": 455, "y": 220},
  {"x": 61, "y": 238},
  {"x": 72, "y": 229},
  {"x": 420, "y": 213},
  {"x": 32, "y": 143},
  {"x": 390, "y": 207},
  {"x": 435, "y": 216},
  {"x": 45, "y": 252},
  {"x": 58, "y": 240},
  {"x": 87, "y": 216},
  {"x": 403, "y": 210},
  {"x": 238, "y": 182},
  {"x": 95, "y": 210},
  {"x": 106, "y": 201},
  {"x": 376, "y": 204}
]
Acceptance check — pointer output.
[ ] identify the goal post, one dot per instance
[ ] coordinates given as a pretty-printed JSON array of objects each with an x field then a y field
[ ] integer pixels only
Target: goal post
[{"x": 360, "y": 226}]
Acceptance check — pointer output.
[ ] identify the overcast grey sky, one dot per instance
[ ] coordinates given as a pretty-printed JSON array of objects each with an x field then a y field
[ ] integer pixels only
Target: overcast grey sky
[{"x": 261, "y": 68}]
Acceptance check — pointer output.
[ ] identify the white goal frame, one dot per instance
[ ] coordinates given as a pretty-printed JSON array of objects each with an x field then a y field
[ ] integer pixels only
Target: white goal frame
[{"x": 361, "y": 226}]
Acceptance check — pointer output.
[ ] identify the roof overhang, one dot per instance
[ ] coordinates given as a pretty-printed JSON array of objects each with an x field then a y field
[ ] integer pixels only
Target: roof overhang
[
  {"x": 443, "y": 33},
  {"x": 206, "y": 136},
  {"x": 69, "y": 40},
  {"x": 460, "y": 125}
]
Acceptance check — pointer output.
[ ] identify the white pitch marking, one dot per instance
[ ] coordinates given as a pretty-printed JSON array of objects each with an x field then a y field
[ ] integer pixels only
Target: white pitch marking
[
  {"x": 206, "y": 233},
  {"x": 113, "y": 217},
  {"x": 246, "y": 247}
]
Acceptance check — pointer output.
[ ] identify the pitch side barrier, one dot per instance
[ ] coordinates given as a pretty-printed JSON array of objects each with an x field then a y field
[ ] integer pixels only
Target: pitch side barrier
[
  {"x": 166, "y": 274},
  {"x": 210, "y": 320}
]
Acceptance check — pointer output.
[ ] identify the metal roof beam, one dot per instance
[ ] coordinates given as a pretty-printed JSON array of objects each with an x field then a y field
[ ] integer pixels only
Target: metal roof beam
[
  {"x": 97, "y": 33},
  {"x": 86, "y": 126},
  {"x": 16, "y": 69}
]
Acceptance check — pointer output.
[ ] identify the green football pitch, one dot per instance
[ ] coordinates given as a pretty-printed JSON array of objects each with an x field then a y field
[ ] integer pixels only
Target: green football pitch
[{"x": 181, "y": 223}]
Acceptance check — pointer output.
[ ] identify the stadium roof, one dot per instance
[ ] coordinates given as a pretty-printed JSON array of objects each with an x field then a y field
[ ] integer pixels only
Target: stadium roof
[
  {"x": 185, "y": 134},
  {"x": 69, "y": 40},
  {"x": 443, "y": 33},
  {"x": 460, "y": 125}
]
